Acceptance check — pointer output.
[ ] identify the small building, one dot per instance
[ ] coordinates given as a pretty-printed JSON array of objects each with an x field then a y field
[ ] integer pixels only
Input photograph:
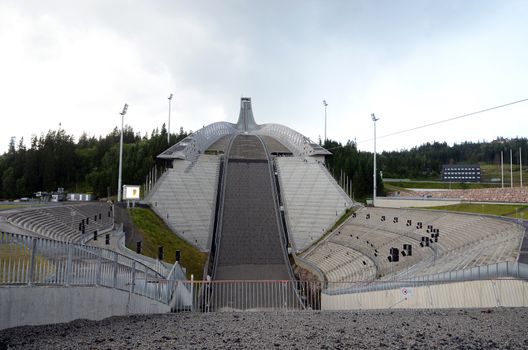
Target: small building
[
  {"x": 58, "y": 196},
  {"x": 461, "y": 173}
]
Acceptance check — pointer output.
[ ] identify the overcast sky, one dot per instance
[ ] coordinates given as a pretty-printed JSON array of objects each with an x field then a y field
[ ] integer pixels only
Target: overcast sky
[{"x": 410, "y": 62}]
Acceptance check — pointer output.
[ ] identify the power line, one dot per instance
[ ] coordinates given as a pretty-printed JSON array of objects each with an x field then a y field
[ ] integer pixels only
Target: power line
[{"x": 447, "y": 120}]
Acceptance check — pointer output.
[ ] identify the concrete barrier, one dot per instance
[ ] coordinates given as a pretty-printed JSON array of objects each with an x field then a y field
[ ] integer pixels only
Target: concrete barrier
[
  {"x": 402, "y": 202},
  {"x": 468, "y": 294},
  {"x": 37, "y": 305}
]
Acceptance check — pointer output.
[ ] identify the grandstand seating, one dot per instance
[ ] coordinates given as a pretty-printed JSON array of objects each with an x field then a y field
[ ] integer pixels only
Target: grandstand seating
[
  {"x": 66, "y": 222},
  {"x": 313, "y": 200},
  {"x": 464, "y": 241},
  {"x": 184, "y": 197},
  {"x": 340, "y": 263}
]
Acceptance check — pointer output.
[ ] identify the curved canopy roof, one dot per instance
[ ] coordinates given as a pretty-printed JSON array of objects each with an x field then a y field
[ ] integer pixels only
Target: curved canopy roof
[{"x": 199, "y": 141}]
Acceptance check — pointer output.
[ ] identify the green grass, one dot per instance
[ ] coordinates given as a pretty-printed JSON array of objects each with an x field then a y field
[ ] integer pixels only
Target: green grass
[
  {"x": 493, "y": 171},
  {"x": 11, "y": 206},
  {"x": 398, "y": 186},
  {"x": 16, "y": 254},
  {"x": 156, "y": 233},
  {"x": 342, "y": 219},
  {"x": 515, "y": 211},
  {"x": 491, "y": 175}
]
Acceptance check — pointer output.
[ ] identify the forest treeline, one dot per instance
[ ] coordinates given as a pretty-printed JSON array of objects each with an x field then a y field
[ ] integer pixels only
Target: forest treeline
[
  {"x": 425, "y": 161},
  {"x": 91, "y": 164},
  {"x": 88, "y": 165},
  {"x": 422, "y": 162}
]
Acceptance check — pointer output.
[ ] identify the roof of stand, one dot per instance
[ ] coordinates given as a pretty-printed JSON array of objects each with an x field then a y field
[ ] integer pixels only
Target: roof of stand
[{"x": 195, "y": 144}]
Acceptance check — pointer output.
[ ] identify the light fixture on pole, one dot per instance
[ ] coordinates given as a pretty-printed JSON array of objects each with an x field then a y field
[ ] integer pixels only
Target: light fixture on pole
[
  {"x": 168, "y": 127},
  {"x": 119, "y": 187},
  {"x": 374, "y": 119},
  {"x": 520, "y": 166},
  {"x": 325, "y": 105},
  {"x": 502, "y": 169}
]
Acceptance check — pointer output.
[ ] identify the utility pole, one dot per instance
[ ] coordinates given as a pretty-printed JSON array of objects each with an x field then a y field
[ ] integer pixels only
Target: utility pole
[
  {"x": 325, "y": 105},
  {"x": 119, "y": 187},
  {"x": 374, "y": 119},
  {"x": 511, "y": 168},
  {"x": 168, "y": 127}
]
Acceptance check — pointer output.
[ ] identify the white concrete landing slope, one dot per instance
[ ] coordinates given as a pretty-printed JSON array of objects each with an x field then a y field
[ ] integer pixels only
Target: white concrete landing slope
[
  {"x": 313, "y": 200},
  {"x": 184, "y": 197}
]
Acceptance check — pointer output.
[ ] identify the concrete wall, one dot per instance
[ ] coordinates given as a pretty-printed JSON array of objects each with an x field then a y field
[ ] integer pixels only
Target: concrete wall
[
  {"x": 400, "y": 202},
  {"x": 310, "y": 267},
  {"x": 45, "y": 305},
  {"x": 470, "y": 294}
]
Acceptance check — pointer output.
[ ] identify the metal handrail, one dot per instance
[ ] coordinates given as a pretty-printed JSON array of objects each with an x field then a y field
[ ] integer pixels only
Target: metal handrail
[
  {"x": 486, "y": 272},
  {"x": 28, "y": 260}
]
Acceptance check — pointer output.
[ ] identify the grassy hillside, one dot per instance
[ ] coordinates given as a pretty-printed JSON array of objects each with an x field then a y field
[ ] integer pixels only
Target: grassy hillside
[
  {"x": 156, "y": 234},
  {"x": 17, "y": 255},
  {"x": 493, "y": 172},
  {"x": 491, "y": 176},
  {"x": 516, "y": 211}
]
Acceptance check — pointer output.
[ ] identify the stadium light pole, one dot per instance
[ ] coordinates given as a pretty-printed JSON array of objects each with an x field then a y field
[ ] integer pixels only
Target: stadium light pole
[
  {"x": 520, "y": 165},
  {"x": 325, "y": 104},
  {"x": 374, "y": 119},
  {"x": 502, "y": 169},
  {"x": 119, "y": 189},
  {"x": 168, "y": 127}
]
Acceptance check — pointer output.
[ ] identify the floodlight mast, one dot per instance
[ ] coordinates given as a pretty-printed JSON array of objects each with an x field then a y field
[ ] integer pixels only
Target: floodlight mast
[
  {"x": 168, "y": 126},
  {"x": 374, "y": 119},
  {"x": 325, "y": 104},
  {"x": 520, "y": 166},
  {"x": 119, "y": 187}
]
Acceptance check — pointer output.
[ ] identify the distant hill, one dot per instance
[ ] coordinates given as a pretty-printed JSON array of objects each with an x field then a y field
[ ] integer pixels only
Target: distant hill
[{"x": 423, "y": 162}]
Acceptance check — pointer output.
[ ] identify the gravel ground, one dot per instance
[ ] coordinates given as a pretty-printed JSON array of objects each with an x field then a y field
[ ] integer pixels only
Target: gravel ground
[{"x": 444, "y": 329}]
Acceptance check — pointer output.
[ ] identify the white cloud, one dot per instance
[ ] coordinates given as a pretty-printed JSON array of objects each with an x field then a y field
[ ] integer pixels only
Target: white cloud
[{"x": 411, "y": 62}]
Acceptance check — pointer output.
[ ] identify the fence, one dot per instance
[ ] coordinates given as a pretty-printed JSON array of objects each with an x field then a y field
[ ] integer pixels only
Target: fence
[
  {"x": 214, "y": 296},
  {"x": 26, "y": 260},
  {"x": 486, "y": 272},
  {"x": 483, "y": 293},
  {"x": 276, "y": 295}
]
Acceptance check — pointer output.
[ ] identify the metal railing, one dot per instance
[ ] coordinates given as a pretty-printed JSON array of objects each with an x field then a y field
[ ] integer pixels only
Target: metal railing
[
  {"x": 286, "y": 295},
  {"x": 272, "y": 295},
  {"x": 478, "y": 293},
  {"x": 26, "y": 260},
  {"x": 493, "y": 271}
]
